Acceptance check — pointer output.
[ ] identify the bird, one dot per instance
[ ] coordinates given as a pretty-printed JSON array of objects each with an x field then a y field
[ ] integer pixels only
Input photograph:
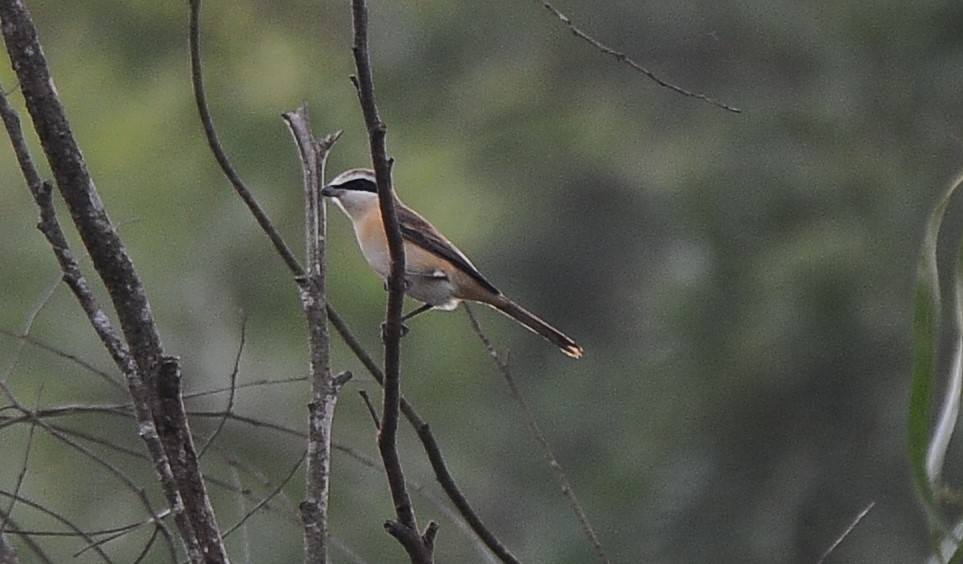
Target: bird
[{"x": 437, "y": 273}]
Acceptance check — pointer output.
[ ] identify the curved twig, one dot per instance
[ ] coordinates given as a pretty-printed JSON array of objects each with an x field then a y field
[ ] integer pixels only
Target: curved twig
[
  {"x": 232, "y": 390},
  {"x": 267, "y": 498},
  {"x": 200, "y": 98},
  {"x": 77, "y": 531},
  {"x": 136, "y": 489}
]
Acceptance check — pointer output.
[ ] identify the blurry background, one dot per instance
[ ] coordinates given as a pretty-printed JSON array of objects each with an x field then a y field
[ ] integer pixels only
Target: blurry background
[{"x": 740, "y": 283}]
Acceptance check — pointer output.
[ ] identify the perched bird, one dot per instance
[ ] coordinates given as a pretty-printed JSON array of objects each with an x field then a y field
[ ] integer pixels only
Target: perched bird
[{"x": 436, "y": 272}]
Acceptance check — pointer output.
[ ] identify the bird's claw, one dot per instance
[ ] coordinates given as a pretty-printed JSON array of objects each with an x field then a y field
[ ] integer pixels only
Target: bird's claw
[
  {"x": 405, "y": 284},
  {"x": 384, "y": 332}
]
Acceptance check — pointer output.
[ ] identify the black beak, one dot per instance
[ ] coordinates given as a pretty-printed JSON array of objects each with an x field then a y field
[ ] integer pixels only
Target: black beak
[{"x": 329, "y": 191}]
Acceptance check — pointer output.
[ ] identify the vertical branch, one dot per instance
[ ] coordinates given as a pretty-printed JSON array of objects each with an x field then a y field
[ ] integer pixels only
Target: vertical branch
[
  {"x": 324, "y": 387},
  {"x": 432, "y": 450},
  {"x": 405, "y": 529}
]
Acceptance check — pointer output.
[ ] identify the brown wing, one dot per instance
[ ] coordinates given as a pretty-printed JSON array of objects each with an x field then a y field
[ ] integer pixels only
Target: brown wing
[{"x": 418, "y": 231}]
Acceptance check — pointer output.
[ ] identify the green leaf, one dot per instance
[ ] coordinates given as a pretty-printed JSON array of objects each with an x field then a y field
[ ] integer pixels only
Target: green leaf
[{"x": 926, "y": 455}]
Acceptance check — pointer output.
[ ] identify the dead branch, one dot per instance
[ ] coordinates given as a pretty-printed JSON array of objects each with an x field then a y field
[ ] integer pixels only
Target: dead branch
[{"x": 324, "y": 386}]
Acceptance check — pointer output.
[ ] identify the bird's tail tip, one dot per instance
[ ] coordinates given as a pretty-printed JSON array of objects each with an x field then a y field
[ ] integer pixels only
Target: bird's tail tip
[
  {"x": 532, "y": 322},
  {"x": 572, "y": 350}
]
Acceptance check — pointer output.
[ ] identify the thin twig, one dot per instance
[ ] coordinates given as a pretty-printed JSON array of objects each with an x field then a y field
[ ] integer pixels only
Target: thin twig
[
  {"x": 452, "y": 515},
  {"x": 241, "y": 386},
  {"x": 150, "y": 542},
  {"x": 371, "y": 409},
  {"x": 77, "y": 531},
  {"x": 566, "y": 486},
  {"x": 623, "y": 58},
  {"x": 49, "y": 226},
  {"x": 859, "y": 517},
  {"x": 23, "y": 469},
  {"x": 118, "y": 532},
  {"x": 129, "y": 482},
  {"x": 238, "y": 464},
  {"x": 242, "y": 507},
  {"x": 31, "y": 340},
  {"x": 268, "y": 497},
  {"x": 28, "y": 326},
  {"x": 10, "y": 556},
  {"x": 232, "y": 390}
]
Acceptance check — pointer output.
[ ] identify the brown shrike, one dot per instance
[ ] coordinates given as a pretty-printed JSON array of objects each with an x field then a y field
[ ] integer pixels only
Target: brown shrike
[{"x": 436, "y": 272}]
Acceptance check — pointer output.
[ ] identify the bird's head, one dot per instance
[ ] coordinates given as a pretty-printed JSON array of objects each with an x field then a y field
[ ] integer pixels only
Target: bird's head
[{"x": 354, "y": 190}]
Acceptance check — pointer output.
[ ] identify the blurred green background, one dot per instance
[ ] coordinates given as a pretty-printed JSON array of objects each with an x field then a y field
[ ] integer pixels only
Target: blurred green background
[{"x": 740, "y": 283}]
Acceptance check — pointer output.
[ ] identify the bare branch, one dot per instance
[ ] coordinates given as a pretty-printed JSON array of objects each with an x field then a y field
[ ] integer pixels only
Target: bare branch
[
  {"x": 268, "y": 497},
  {"x": 30, "y": 339},
  {"x": 118, "y": 532},
  {"x": 28, "y": 326},
  {"x": 371, "y": 409},
  {"x": 50, "y": 227},
  {"x": 324, "y": 387},
  {"x": 178, "y": 441},
  {"x": 560, "y": 476},
  {"x": 419, "y": 546},
  {"x": 23, "y": 468},
  {"x": 150, "y": 542},
  {"x": 623, "y": 58},
  {"x": 62, "y": 436}
]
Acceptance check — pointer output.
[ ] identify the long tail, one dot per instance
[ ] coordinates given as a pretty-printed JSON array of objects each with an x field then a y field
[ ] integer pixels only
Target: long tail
[{"x": 536, "y": 325}]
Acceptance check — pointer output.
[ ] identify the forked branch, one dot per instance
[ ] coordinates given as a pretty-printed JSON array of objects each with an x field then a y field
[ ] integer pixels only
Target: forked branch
[{"x": 324, "y": 386}]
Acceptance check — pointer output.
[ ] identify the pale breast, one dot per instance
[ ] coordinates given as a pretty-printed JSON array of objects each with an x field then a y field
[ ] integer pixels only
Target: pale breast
[{"x": 371, "y": 239}]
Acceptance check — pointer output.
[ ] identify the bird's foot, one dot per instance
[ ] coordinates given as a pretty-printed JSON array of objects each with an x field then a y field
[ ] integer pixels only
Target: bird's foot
[{"x": 384, "y": 333}]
